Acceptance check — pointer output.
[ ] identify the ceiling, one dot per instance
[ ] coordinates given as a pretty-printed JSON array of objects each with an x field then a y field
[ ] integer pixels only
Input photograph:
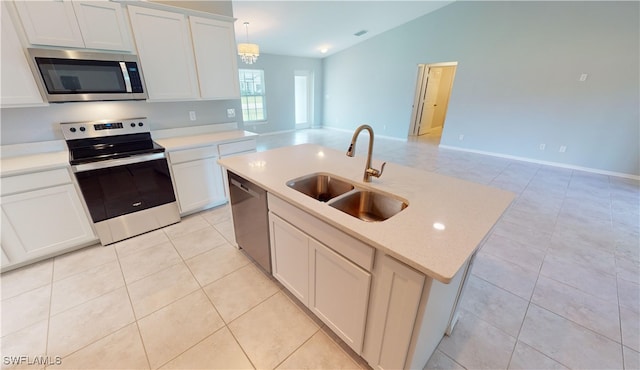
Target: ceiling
[{"x": 303, "y": 28}]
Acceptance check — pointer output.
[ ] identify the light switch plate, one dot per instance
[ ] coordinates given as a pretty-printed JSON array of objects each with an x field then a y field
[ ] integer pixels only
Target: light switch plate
[{"x": 231, "y": 112}]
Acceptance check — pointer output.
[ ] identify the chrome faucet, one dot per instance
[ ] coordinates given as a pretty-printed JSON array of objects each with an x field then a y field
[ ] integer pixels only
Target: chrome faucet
[{"x": 368, "y": 171}]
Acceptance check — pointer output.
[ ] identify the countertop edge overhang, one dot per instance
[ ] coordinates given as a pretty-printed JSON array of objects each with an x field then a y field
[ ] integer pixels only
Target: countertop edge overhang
[{"x": 468, "y": 211}]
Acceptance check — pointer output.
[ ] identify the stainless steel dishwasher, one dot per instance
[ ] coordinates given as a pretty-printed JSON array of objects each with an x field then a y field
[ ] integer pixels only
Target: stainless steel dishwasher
[{"x": 250, "y": 219}]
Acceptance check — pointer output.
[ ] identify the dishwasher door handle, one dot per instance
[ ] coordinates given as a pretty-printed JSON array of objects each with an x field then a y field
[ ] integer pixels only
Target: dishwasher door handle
[{"x": 244, "y": 188}]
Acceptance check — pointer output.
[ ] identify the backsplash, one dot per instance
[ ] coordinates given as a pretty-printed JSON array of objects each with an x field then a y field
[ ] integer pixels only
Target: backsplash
[{"x": 35, "y": 124}]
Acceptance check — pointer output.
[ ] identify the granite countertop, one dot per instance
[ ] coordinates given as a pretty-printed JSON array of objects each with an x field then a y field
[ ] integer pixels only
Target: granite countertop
[{"x": 467, "y": 210}]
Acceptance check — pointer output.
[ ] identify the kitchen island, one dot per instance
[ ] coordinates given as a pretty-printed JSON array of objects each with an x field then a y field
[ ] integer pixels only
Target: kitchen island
[{"x": 389, "y": 288}]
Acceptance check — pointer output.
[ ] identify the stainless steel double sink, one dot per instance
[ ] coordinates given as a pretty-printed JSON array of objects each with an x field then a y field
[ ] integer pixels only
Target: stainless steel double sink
[{"x": 367, "y": 205}]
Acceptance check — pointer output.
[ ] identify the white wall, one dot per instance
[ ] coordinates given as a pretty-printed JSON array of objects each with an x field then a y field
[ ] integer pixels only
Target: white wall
[
  {"x": 25, "y": 125},
  {"x": 516, "y": 85}
]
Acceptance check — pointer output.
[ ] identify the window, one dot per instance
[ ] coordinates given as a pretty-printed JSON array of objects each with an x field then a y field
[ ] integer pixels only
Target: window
[{"x": 252, "y": 95}]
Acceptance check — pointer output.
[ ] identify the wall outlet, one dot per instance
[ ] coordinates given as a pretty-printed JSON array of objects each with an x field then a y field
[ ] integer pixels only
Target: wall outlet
[
  {"x": 192, "y": 115},
  {"x": 231, "y": 112},
  {"x": 461, "y": 137},
  {"x": 563, "y": 148},
  {"x": 384, "y": 128},
  {"x": 542, "y": 146},
  {"x": 583, "y": 77}
]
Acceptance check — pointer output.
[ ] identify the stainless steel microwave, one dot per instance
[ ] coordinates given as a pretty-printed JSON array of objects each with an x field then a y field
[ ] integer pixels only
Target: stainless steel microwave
[{"x": 73, "y": 76}]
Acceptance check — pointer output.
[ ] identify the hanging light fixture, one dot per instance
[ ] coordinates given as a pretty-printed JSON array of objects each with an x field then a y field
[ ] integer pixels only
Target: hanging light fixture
[{"x": 248, "y": 52}]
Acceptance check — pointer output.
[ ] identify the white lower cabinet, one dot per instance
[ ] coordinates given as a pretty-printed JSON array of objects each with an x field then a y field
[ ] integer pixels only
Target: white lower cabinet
[
  {"x": 197, "y": 176},
  {"x": 42, "y": 222},
  {"x": 334, "y": 288},
  {"x": 389, "y": 313},
  {"x": 290, "y": 257},
  {"x": 394, "y": 306},
  {"x": 339, "y": 293},
  {"x": 198, "y": 184}
]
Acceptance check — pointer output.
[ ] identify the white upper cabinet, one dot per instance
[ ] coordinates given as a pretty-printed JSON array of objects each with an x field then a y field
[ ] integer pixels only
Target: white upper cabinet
[
  {"x": 103, "y": 25},
  {"x": 50, "y": 23},
  {"x": 82, "y": 24},
  {"x": 214, "y": 48},
  {"x": 166, "y": 54},
  {"x": 18, "y": 85}
]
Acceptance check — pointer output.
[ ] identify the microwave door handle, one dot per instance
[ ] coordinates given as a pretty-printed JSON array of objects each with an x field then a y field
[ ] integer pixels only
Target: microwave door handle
[{"x": 125, "y": 74}]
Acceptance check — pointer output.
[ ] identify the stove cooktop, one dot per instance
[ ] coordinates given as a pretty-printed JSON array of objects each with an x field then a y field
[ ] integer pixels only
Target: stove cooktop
[{"x": 94, "y": 141}]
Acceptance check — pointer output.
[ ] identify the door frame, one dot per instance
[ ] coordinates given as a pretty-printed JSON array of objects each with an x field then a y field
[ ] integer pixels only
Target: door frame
[
  {"x": 422, "y": 79},
  {"x": 309, "y": 75}
]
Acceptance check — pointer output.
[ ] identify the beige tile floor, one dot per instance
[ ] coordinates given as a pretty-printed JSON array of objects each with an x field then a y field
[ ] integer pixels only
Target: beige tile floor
[{"x": 556, "y": 285}]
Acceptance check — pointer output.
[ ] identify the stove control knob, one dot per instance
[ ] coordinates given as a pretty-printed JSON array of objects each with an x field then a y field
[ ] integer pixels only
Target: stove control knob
[
  {"x": 140, "y": 124},
  {"x": 133, "y": 124},
  {"x": 82, "y": 129},
  {"x": 72, "y": 129}
]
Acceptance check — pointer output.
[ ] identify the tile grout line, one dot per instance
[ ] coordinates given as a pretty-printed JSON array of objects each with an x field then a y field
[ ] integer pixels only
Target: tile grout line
[
  {"x": 201, "y": 288},
  {"x": 133, "y": 311}
]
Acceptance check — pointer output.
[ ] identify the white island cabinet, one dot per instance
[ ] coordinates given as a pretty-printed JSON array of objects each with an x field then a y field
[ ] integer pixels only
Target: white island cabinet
[
  {"x": 389, "y": 289},
  {"x": 42, "y": 215},
  {"x": 78, "y": 24},
  {"x": 327, "y": 270}
]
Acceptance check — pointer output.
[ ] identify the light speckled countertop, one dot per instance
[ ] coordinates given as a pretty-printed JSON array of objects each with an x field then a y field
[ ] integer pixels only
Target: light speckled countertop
[
  {"x": 468, "y": 210},
  {"x": 24, "y": 158},
  {"x": 192, "y": 141}
]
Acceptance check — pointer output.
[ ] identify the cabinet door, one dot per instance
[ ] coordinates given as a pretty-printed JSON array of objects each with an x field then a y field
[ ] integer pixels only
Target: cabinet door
[
  {"x": 165, "y": 52},
  {"x": 103, "y": 25},
  {"x": 198, "y": 184},
  {"x": 50, "y": 22},
  {"x": 394, "y": 306},
  {"x": 290, "y": 257},
  {"x": 42, "y": 222},
  {"x": 18, "y": 84},
  {"x": 339, "y": 294},
  {"x": 215, "y": 54}
]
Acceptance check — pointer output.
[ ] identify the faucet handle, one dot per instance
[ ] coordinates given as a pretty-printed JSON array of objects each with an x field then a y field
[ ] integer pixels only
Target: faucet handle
[{"x": 376, "y": 173}]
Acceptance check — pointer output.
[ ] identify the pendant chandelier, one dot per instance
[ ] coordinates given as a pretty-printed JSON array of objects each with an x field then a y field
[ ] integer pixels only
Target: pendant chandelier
[{"x": 248, "y": 52}]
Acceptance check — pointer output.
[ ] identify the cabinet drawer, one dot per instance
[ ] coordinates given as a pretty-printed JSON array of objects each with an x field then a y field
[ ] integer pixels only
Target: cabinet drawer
[
  {"x": 237, "y": 147},
  {"x": 187, "y": 155},
  {"x": 351, "y": 248},
  {"x": 32, "y": 181}
]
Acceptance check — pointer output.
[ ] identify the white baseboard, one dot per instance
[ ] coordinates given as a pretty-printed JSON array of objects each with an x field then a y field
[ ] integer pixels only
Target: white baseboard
[
  {"x": 547, "y": 163},
  {"x": 275, "y": 132}
]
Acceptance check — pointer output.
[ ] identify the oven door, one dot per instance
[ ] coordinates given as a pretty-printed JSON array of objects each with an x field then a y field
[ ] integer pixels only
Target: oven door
[{"x": 114, "y": 188}]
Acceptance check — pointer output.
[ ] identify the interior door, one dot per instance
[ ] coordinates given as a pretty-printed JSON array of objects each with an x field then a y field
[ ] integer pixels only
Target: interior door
[
  {"x": 430, "y": 101},
  {"x": 418, "y": 100}
]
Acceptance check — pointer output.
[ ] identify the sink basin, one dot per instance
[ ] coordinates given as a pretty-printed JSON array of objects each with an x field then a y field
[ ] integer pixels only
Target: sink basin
[
  {"x": 369, "y": 206},
  {"x": 322, "y": 187}
]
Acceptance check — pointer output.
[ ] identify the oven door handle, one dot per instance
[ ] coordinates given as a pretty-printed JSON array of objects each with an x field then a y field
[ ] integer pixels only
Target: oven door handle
[{"x": 116, "y": 162}]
